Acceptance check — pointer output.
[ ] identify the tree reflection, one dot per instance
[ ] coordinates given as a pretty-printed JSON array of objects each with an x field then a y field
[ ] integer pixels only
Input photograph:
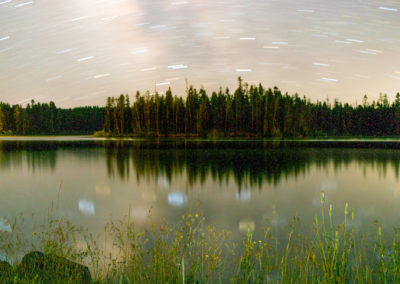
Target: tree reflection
[
  {"x": 38, "y": 154},
  {"x": 248, "y": 163},
  {"x": 35, "y": 155}
]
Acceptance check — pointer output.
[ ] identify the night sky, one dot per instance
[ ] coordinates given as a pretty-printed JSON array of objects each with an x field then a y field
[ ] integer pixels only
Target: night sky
[{"x": 78, "y": 52}]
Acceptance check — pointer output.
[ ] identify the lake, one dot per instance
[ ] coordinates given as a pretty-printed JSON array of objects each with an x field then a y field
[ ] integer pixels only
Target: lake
[{"x": 236, "y": 184}]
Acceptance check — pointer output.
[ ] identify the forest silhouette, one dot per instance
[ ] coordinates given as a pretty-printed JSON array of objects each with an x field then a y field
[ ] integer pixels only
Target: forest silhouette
[{"x": 250, "y": 111}]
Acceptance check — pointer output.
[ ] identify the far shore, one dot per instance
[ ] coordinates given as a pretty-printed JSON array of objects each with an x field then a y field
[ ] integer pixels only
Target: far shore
[{"x": 49, "y": 137}]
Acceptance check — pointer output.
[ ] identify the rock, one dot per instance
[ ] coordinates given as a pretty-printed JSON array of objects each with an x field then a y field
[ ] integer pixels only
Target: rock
[
  {"x": 6, "y": 272},
  {"x": 51, "y": 268}
]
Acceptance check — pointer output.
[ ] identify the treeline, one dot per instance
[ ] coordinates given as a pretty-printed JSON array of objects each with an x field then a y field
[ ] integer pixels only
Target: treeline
[
  {"x": 248, "y": 111},
  {"x": 46, "y": 118}
]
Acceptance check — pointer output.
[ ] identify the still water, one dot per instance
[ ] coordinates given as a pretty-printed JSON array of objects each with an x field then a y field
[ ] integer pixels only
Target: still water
[{"x": 236, "y": 184}]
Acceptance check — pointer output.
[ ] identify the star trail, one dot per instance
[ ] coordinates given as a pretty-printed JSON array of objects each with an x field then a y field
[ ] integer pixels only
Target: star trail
[{"x": 81, "y": 51}]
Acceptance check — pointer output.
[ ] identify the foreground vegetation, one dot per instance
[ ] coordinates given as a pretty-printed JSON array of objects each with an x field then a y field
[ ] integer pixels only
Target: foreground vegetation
[{"x": 191, "y": 252}]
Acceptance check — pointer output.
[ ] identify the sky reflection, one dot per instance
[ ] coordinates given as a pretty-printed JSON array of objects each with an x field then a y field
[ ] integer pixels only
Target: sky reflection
[{"x": 91, "y": 183}]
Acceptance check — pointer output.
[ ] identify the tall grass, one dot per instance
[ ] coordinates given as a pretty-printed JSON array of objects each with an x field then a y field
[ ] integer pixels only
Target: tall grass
[{"x": 192, "y": 252}]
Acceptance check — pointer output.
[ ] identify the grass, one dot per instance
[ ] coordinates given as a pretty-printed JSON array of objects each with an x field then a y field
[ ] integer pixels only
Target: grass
[{"x": 192, "y": 252}]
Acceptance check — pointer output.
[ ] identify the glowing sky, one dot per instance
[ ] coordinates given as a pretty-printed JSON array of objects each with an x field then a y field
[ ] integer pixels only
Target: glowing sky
[{"x": 78, "y": 52}]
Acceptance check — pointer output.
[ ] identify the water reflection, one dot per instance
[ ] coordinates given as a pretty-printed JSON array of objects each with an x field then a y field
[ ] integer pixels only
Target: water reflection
[
  {"x": 163, "y": 182},
  {"x": 239, "y": 185},
  {"x": 246, "y": 225},
  {"x": 86, "y": 207},
  {"x": 243, "y": 195},
  {"x": 250, "y": 164},
  {"x": 16, "y": 154},
  {"x": 177, "y": 199},
  {"x": 102, "y": 190},
  {"x": 4, "y": 226}
]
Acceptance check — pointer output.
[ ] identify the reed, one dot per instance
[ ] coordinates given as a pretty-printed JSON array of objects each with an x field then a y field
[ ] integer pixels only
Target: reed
[{"x": 192, "y": 252}]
